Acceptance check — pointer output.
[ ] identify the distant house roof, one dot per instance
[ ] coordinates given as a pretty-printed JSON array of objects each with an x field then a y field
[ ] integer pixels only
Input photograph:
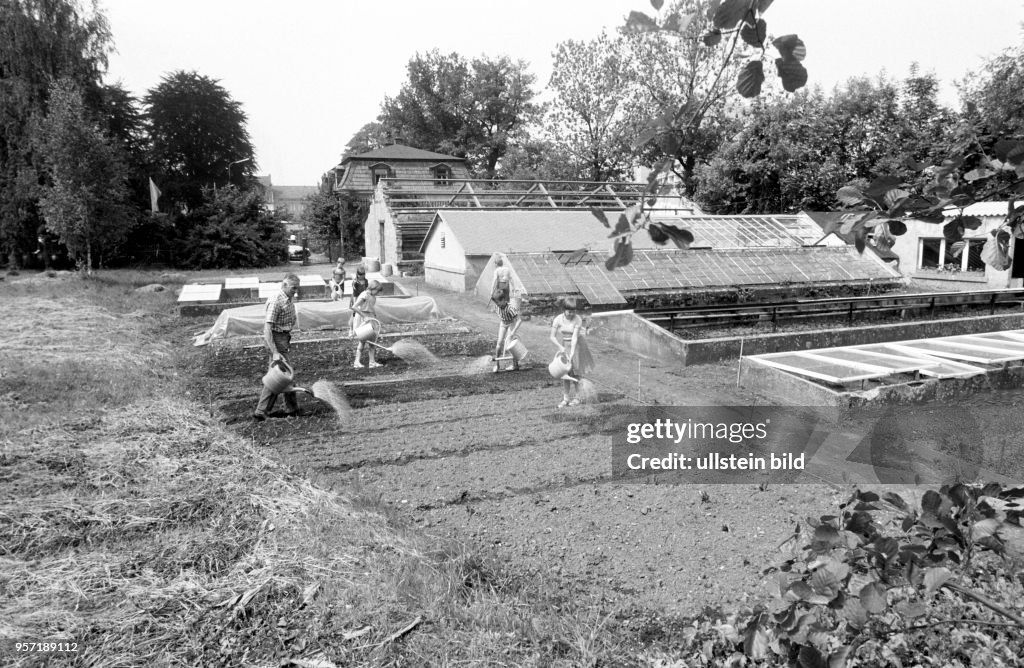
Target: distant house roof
[
  {"x": 400, "y": 152},
  {"x": 518, "y": 231},
  {"x": 294, "y": 192}
]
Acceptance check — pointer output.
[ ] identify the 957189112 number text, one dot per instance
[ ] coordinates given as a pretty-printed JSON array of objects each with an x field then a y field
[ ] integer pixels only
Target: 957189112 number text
[{"x": 45, "y": 646}]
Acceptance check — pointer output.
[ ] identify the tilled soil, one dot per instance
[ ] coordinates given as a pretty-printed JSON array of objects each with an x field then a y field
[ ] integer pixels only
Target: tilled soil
[{"x": 489, "y": 459}]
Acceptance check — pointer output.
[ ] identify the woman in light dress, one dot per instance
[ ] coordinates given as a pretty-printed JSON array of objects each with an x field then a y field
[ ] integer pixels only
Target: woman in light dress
[{"x": 567, "y": 333}]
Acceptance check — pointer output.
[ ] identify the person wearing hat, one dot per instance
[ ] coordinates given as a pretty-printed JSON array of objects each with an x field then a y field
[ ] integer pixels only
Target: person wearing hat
[{"x": 364, "y": 308}]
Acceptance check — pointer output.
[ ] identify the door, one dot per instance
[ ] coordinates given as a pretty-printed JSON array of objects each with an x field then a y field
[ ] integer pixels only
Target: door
[{"x": 381, "y": 235}]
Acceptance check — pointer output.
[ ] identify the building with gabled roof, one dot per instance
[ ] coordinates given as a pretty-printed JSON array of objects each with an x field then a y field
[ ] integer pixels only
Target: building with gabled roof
[{"x": 359, "y": 174}]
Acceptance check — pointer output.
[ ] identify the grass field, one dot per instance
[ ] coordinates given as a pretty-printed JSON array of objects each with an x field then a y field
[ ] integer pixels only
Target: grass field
[{"x": 135, "y": 525}]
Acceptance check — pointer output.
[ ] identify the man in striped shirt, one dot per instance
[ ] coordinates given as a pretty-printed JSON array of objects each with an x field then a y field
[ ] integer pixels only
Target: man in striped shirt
[{"x": 277, "y": 335}]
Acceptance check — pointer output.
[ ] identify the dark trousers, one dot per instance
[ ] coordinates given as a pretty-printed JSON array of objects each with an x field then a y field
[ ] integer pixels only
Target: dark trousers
[{"x": 267, "y": 398}]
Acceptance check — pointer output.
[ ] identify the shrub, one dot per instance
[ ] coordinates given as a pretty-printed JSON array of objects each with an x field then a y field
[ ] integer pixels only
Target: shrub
[{"x": 232, "y": 230}]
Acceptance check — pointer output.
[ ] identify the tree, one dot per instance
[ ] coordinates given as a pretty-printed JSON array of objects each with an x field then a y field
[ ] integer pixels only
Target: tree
[
  {"x": 84, "y": 198},
  {"x": 369, "y": 137},
  {"x": 475, "y": 109},
  {"x": 231, "y": 229},
  {"x": 40, "y": 41},
  {"x": 795, "y": 152},
  {"x": 589, "y": 120},
  {"x": 198, "y": 135},
  {"x": 338, "y": 218}
]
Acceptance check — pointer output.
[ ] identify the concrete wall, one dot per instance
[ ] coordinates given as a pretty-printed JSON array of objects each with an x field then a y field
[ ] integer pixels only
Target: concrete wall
[
  {"x": 714, "y": 350},
  {"x": 631, "y": 332},
  {"x": 788, "y": 389}
]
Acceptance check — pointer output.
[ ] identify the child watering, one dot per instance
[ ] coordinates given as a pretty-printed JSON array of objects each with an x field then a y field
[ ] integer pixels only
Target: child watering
[
  {"x": 508, "y": 325},
  {"x": 363, "y": 309},
  {"x": 567, "y": 335}
]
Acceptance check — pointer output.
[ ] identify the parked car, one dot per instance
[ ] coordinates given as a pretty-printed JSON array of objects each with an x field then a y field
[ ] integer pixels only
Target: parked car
[{"x": 297, "y": 253}]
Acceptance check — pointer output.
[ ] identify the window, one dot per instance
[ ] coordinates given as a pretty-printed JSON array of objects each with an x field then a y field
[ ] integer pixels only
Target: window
[
  {"x": 442, "y": 174},
  {"x": 442, "y": 240},
  {"x": 940, "y": 255},
  {"x": 381, "y": 171}
]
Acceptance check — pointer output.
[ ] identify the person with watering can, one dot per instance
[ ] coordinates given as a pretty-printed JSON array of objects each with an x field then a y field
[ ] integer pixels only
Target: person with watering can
[
  {"x": 363, "y": 309},
  {"x": 567, "y": 335},
  {"x": 509, "y": 324},
  {"x": 277, "y": 335}
]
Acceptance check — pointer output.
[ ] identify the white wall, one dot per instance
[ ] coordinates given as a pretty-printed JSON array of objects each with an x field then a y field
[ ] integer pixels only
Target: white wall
[
  {"x": 444, "y": 266},
  {"x": 907, "y": 246}
]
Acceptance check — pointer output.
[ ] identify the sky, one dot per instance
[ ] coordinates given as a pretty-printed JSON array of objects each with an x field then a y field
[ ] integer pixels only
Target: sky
[{"x": 310, "y": 73}]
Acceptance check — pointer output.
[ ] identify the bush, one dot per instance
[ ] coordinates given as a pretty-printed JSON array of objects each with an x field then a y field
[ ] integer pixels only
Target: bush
[{"x": 232, "y": 230}]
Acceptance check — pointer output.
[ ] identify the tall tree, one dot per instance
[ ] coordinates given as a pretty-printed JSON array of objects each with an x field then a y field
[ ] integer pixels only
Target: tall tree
[
  {"x": 40, "y": 41},
  {"x": 475, "y": 109},
  {"x": 590, "y": 118},
  {"x": 199, "y": 136},
  {"x": 84, "y": 198}
]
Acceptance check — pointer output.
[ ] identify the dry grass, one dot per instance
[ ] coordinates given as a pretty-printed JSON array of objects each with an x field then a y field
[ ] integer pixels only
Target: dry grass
[{"x": 136, "y": 525}]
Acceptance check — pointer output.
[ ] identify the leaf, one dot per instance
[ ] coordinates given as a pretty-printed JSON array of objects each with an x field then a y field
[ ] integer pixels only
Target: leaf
[
  {"x": 755, "y": 642},
  {"x": 881, "y": 186},
  {"x": 750, "y": 78},
  {"x": 825, "y": 583},
  {"x": 712, "y": 38},
  {"x": 730, "y": 13},
  {"x": 872, "y": 597},
  {"x": 787, "y": 47},
  {"x": 934, "y": 578},
  {"x": 681, "y": 237},
  {"x": 657, "y": 234},
  {"x": 850, "y": 196},
  {"x": 638, "y": 22},
  {"x": 977, "y": 174},
  {"x": 838, "y": 658},
  {"x": 931, "y": 501},
  {"x": 648, "y": 134},
  {"x": 911, "y": 609},
  {"x": 957, "y": 248},
  {"x": 657, "y": 4},
  {"x": 621, "y": 256},
  {"x": 600, "y": 215},
  {"x": 953, "y": 230},
  {"x": 763, "y": 5},
  {"x": 826, "y": 535},
  {"x": 810, "y": 657},
  {"x": 893, "y": 498},
  {"x": 985, "y": 528},
  {"x": 792, "y": 73},
  {"x": 621, "y": 226},
  {"x": 1010, "y": 150},
  {"x": 754, "y": 34},
  {"x": 970, "y": 222}
]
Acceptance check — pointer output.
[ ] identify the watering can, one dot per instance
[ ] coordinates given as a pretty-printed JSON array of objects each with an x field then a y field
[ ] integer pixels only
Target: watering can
[
  {"x": 368, "y": 331},
  {"x": 560, "y": 368},
  {"x": 514, "y": 351},
  {"x": 280, "y": 377}
]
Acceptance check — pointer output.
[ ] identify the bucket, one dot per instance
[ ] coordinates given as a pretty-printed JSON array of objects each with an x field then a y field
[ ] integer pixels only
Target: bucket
[
  {"x": 516, "y": 349},
  {"x": 372, "y": 264},
  {"x": 560, "y": 367},
  {"x": 368, "y": 330},
  {"x": 386, "y": 270},
  {"x": 279, "y": 377}
]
